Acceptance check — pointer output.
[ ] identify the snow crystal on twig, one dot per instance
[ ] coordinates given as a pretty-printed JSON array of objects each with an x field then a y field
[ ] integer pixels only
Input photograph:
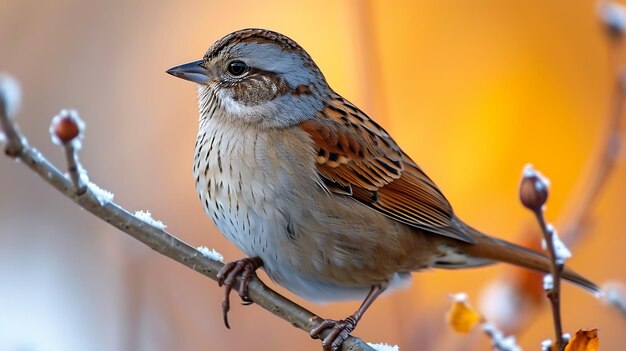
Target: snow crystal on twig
[
  {"x": 211, "y": 253},
  {"x": 102, "y": 195},
  {"x": 84, "y": 178},
  {"x": 458, "y": 297},
  {"x": 548, "y": 282},
  {"x": 546, "y": 345},
  {"x": 384, "y": 347},
  {"x": 561, "y": 251},
  {"x": 146, "y": 216},
  {"x": 542, "y": 182},
  {"x": 498, "y": 340}
]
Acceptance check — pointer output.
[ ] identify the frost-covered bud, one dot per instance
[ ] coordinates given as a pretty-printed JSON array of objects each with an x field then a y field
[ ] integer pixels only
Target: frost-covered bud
[
  {"x": 67, "y": 127},
  {"x": 10, "y": 94},
  {"x": 613, "y": 16},
  {"x": 546, "y": 345},
  {"x": 533, "y": 190}
]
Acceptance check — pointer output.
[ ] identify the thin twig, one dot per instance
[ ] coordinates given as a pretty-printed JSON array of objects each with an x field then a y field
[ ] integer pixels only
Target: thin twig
[
  {"x": 153, "y": 237},
  {"x": 498, "y": 340},
  {"x": 67, "y": 129},
  {"x": 554, "y": 293},
  {"x": 533, "y": 192},
  {"x": 73, "y": 168},
  {"x": 14, "y": 142},
  {"x": 579, "y": 219}
]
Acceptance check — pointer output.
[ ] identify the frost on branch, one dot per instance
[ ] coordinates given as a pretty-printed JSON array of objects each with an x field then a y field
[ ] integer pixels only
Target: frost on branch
[
  {"x": 548, "y": 282},
  {"x": 498, "y": 340},
  {"x": 103, "y": 196},
  {"x": 384, "y": 347},
  {"x": 546, "y": 345},
  {"x": 211, "y": 253},
  {"x": 146, "y": 216},
  {"x": 561, "y": 251}
]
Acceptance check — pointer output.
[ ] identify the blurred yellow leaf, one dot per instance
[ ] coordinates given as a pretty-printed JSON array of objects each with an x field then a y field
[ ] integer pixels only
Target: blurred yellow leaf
[
  {"x": 461, "y": 316},
  {"x": 584, "y": 340}
]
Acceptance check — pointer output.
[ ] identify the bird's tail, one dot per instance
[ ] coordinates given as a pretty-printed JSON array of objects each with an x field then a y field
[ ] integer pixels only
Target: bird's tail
[{"x": 491, "y": 248}]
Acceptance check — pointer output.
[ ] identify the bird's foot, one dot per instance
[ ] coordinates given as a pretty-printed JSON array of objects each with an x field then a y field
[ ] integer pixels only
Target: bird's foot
[
  {"x": 339, "y": 331},
  {"x": 227, "y": 276}
]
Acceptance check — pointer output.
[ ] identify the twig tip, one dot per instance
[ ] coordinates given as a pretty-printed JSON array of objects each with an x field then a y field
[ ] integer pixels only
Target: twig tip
[
  {"x": 10, "y": 95},
  {"x": 67, "y": 127},
  {"x": 613, "y": 15},
  {"x": 533, "y": 189}
]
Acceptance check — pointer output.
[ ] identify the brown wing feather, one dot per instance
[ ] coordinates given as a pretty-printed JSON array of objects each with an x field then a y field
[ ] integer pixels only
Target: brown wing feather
[{"x": 356, "y": 157}]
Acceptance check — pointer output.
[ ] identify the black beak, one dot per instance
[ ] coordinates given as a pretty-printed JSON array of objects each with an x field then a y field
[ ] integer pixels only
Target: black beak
[{"x": 192, "y": 71}]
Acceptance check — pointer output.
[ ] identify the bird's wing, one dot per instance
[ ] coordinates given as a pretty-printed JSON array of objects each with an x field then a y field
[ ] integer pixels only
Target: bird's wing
[{"x": 357, "y": 158}]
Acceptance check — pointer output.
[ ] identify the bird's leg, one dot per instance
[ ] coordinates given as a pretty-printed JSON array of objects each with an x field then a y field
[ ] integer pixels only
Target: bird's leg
[
  {"x": 227, "y": 276},
  {"x": 339, "y": 330}
]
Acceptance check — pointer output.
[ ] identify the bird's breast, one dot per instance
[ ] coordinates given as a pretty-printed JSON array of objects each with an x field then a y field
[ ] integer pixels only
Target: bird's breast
[{"x": 245, "y": 179}]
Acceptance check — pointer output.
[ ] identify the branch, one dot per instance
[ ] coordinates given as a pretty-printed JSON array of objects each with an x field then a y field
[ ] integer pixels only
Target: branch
[
  {"x": 533, "y": 195},
  {"x": 613, "y": 18},
  {"x": 93, "y": 199}
]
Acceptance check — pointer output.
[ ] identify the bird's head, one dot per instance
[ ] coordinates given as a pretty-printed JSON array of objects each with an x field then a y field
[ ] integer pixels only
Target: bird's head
[{"x": 257, "y": 76}]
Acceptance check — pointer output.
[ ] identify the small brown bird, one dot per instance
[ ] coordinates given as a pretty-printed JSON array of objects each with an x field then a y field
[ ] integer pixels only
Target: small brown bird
[{"x": 315, "y": 191}]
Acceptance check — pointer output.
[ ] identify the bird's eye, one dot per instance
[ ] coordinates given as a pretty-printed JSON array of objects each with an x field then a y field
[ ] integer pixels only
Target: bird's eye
[{"x": 237, "y": 68}]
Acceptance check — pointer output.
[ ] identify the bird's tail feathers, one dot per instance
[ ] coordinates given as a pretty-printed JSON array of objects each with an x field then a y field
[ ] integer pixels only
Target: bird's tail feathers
[{"x": 488, "y": 248}]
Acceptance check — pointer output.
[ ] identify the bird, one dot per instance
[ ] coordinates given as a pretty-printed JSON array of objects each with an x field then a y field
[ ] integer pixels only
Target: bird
[{"x": 313, "y": 190}]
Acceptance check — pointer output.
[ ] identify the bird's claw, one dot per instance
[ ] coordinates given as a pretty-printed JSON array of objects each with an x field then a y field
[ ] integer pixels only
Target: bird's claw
[
  {"x": 227, "y": 276},
  {"x": 339, "y": 331}
]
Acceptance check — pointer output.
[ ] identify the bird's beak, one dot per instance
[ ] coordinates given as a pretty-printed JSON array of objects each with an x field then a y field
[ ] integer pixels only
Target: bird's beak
[{"x": 192, "y": 71}]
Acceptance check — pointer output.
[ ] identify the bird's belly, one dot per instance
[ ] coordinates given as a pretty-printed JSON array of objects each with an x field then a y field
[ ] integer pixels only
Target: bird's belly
[
  {"x": 319, "y": 289},
  {"x": 317, "y": 270},
  {"x": 305, "y": 249}
]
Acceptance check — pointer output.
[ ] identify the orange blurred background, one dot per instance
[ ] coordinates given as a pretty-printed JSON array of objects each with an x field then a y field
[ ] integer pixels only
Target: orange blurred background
[{"x": 471, "y": 90}]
